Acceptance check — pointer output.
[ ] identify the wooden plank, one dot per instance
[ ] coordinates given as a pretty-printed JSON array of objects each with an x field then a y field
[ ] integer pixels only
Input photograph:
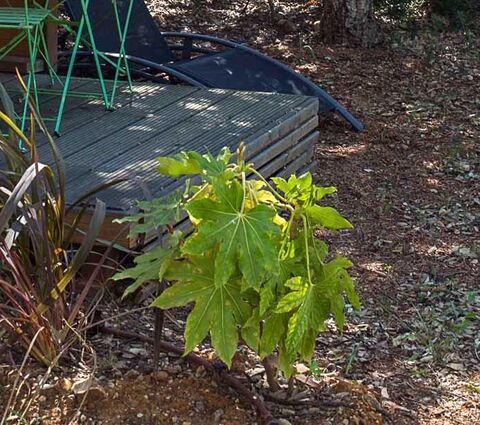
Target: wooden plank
[
  {"x": 281, "y": 129},
  {"x": 134, "y": 136},
  {"x": 141, "y": 161},
  {"x": 5, "y": 78},
  {"x": 303, "y": 150},
  {"x": 96, "y": 132},
  {"x": 285, "y": 143},
  {"x": 165, "y": 185},
  {"x": 11, "y": 62},
  {"x": 109, "y": 231}
]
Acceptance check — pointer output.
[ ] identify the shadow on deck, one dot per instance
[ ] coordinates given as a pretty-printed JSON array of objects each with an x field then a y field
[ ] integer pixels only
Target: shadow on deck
[{"x": 154, "y": 120}]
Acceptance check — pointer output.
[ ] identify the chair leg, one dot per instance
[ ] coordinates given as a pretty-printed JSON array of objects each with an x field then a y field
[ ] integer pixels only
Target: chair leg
[
  {"x": 68, "y": 77},
  {"x": 95, "y": 53},
  {"x": 122, "y": 33}
]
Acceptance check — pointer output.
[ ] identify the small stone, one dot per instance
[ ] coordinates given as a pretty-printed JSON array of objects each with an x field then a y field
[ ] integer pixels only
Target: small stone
[
  {"x": 46, "y": 387},
  {"x": 217, "y": 415},
  {"x": 255, "y": 371},
  {"x": 186, "y": 423},
  {"x": 200, "y": 371},
  {"x": 83, "y": 418},
  {"x": 132, "y": 374},
  {"x": 456, "y": 366},
  {"x": 139, "y": 415},
  {"x": 200, "y": 406},
  {"x": 160, "y": 376},
  {"x": 64, "y": 385},
  {"x": 283, "y": 421},
  {"x": 42, "y": 399},
  {"x": 302, "y": 369},
  {"x": 138, "y": 351}
]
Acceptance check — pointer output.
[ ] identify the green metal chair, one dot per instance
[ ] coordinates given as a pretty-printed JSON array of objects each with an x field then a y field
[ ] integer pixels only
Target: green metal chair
[
  {"x": 84, "y": 35},
  {"x": 30, "y": 21}
]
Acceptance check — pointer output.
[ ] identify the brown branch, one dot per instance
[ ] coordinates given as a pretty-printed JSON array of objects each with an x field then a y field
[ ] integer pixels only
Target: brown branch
[{"x": 223, "y": 376}]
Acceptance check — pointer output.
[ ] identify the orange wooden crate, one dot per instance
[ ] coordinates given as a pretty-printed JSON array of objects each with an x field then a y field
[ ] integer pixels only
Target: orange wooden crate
[{"x": 18, "y": 57}]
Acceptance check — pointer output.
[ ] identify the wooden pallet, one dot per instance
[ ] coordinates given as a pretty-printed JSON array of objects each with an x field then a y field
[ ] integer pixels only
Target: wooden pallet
[{"x": 280, "y": 132}]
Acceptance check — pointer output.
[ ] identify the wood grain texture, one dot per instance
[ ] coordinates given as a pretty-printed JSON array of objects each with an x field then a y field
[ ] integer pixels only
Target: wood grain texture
[{"x": 154, "y": 120}]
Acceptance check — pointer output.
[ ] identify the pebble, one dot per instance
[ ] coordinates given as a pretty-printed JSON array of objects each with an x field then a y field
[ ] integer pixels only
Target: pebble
[
  {"x": 42, "y": 399},
  {"x": 217, "y": 415},
  {"x": 283, "y": 421},
  {"x": 132, "y": 374},
  {"x": 200, "y": 406},
  {"x": 160, "y": 376}
]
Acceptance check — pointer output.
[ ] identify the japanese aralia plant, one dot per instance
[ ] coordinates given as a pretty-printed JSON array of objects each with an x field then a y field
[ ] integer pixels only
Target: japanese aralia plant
[{"x": 250, "y": 263}]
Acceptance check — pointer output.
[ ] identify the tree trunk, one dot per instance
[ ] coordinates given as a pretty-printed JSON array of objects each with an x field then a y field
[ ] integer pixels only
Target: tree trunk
[{"x": 348, "y": 20}]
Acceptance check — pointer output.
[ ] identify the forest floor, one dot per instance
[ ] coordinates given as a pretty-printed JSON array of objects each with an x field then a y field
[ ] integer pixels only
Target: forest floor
[{"x": 410, "y": 184}]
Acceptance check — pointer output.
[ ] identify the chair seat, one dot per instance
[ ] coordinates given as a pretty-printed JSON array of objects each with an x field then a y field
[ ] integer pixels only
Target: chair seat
[
  {"x": 17, "y": 17},
  {"x": 237, "y": 69}
]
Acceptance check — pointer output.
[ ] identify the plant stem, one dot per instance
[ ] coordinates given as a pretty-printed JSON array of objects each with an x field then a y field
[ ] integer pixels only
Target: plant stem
[
  {"x": 158, "y": 329},
  {"x": 272, "y": 189},
  {"x": 270, "y": 372},
  {"x": 307, "y": 254}
]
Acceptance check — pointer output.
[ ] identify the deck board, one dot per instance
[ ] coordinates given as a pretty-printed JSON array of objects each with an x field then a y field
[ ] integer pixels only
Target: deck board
[
  {"x": 213, "y": 131},
  {"x": 152, "y": 120}
]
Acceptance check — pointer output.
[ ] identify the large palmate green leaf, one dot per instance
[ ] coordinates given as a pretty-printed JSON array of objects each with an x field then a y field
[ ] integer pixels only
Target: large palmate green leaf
[
  {"x": 219, "y": 309},
  {"x": 245, "y": 237}
]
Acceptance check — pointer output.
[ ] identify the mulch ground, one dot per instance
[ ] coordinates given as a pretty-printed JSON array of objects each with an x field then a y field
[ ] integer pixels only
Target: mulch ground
[{"x": 410, "y": 184}]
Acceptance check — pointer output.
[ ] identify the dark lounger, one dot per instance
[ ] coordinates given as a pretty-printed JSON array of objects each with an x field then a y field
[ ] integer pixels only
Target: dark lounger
[{"x": 229, "y": 66}]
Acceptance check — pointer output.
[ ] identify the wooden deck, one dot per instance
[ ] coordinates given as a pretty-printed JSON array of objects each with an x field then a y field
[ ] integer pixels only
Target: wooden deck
[{"x": 154, "y": 120}]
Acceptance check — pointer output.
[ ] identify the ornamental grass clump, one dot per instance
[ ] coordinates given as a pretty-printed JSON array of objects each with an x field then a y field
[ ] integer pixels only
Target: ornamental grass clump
[{"x": 38, "y": 262}]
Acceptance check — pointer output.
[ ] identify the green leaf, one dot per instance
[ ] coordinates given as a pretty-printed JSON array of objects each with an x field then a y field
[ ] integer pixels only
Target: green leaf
[
  {"x": 245, "y": 238},
  {"x": 348, "y": 286},
  {"x": 149, "y": 266},
  {"x": 301, "y": 189},
  {"x": 189, "y": 163},
  {"x": 219, "y": 309},
  {"x": 251, "y": 331},
  {"x": 273, "y": 330},
  {"x": 267, "y": 295},
  {"x": 327, "y": 217},
  {"x": 156, "y": 213},
  {"x": 307, "y": 346},
  {"x": 182, "y": 165},
  {"x": 310, "y": 303},
  {"x": 312, "y": 312}
]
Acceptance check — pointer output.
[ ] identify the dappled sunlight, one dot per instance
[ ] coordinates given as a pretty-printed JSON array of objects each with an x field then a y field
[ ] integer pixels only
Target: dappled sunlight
[{"x": 344, "y": 151}]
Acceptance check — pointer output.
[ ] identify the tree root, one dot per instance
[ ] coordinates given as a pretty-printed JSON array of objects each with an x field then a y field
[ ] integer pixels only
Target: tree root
[
  {"x": 219, "y": 373},
  {"x": 320, "y": 402}
]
